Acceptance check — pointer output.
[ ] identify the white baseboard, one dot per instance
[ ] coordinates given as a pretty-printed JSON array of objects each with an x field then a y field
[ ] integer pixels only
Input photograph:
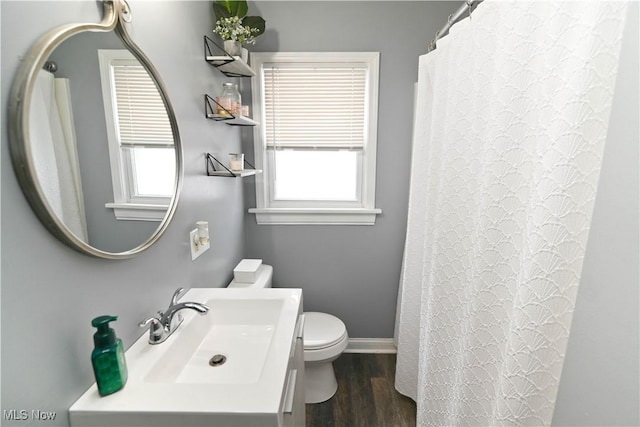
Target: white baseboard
[{"x": 371, "y": 345}]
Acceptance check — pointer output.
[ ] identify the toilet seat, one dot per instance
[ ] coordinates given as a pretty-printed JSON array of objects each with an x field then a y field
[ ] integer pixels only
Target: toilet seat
[
  {"x": 322, "y": 330},
  {"x": 325, "y": 337}
]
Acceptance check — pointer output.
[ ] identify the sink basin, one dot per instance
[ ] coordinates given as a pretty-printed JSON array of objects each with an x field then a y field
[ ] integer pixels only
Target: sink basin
[
  {"x": 239, "y": 330},
  {"x": 182, "y": 382}
]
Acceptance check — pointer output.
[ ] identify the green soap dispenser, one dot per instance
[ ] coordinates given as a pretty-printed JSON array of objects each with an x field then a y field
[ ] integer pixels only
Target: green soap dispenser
[{"x": 107, "y": 358}]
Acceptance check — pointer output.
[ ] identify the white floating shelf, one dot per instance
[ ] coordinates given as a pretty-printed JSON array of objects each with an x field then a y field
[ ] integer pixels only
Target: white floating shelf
[
  {"x": 236, "y": 174},
  {"x": 235, "y": 68},
  {"x": 236, "y": 121}
]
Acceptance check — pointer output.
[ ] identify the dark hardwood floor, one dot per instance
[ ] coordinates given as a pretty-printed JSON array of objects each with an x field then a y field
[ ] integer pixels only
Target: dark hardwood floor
[{"x": 365, "y": 396}]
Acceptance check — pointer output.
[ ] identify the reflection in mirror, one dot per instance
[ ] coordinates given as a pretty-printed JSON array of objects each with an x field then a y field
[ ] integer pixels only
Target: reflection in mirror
[
  {"x": 93, "y": 139},
  {"x": 56, "y": 156},
  {"x": 123, "y": 156}
]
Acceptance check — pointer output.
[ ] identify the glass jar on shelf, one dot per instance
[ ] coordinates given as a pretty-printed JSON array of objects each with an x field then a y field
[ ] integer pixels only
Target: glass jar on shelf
[
  {"x": 230, "y": 101},
  {"x": 236, "y": 162}
]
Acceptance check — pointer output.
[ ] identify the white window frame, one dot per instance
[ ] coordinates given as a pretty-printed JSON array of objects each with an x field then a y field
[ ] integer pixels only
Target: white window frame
[
  {"x": 363, "y": 212},
  {"x": 125, "y": 206}
]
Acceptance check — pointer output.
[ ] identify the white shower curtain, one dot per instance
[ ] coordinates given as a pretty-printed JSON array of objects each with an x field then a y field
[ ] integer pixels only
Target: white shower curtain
[
  {"x": 511, "y": 119},
  {"x": 55, "y": 155}
]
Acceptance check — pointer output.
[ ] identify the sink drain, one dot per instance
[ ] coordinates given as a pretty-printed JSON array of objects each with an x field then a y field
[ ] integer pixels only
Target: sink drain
[{"x": 217, "y": 360}]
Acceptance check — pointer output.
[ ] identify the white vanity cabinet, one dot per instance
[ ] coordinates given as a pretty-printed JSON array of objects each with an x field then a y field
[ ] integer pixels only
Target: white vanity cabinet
[
  {"x": 292, "y": 408},
  {"x": 261, "y": 383}
]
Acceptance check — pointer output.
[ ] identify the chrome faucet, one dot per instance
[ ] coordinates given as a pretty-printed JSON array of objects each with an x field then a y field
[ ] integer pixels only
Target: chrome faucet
[{"x": 161, "y": 327}]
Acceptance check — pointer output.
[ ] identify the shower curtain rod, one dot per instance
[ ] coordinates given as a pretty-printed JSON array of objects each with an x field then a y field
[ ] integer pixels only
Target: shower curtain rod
[{"x": 467, "y": 7}]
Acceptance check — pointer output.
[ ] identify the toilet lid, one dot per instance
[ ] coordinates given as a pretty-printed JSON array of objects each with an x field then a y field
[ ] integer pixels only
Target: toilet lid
[{"x": 322, "y": 330}]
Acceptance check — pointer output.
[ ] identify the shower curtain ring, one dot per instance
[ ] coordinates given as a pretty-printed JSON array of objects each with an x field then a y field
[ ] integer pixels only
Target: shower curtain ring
[{"x": 469, "y": 4}]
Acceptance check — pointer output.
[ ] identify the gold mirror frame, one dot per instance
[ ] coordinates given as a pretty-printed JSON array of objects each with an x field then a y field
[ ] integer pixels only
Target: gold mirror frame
[{"x": 115, "y": 12}]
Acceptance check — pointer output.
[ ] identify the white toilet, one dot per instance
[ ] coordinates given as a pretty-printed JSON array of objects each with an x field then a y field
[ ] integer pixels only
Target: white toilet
[{"x": 325, "y": 336}]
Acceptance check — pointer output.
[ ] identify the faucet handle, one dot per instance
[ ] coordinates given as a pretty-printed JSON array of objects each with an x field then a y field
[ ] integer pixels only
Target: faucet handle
[
  {"x": 147, "y": 322},
  {"x": 176, "y": 296},
  {"x": 155, "y": 330},
  {"x": 150, "y": 321}
]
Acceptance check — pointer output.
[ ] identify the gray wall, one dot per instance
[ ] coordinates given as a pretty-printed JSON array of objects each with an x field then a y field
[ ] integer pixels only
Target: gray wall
[
  {"x": 600, "y": 378},
  {"x": 50, "y": 293},
  {"x": 353, "y": 271}
]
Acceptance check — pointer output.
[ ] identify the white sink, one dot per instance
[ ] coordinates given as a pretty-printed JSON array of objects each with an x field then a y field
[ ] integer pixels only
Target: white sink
[
  {"x": 172, "y": 383},
  {"x": 239, "y": 330}
]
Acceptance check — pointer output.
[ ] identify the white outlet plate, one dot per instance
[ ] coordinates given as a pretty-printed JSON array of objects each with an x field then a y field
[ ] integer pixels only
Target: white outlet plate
[{"x": 196, "y": 250}]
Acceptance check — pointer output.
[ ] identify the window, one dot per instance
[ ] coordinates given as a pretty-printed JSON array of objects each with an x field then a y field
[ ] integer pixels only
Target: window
[
  {"x": 316, "y": 142},
  {"x": 141, "y": 150}
]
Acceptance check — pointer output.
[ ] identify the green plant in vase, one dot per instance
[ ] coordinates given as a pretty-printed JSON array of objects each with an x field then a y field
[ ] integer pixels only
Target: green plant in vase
[{"x": 234, "y": 27}]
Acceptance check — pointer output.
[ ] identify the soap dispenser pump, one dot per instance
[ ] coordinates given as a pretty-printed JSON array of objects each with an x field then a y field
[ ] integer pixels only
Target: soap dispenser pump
[{"x": 107, "y": 358}]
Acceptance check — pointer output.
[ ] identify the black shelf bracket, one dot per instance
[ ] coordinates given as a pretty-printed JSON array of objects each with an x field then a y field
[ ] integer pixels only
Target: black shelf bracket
[
  {"x": 211, "y": 112},
  {"x": 211, "y": 167},
  {"x": 212, "y": 109},
  {"x": 212, "y": 48},
  {"x": 222, "y": 57}
]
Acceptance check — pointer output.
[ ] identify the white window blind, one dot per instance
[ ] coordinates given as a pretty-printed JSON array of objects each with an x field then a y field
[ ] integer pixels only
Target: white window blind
[
  {"x": 141, "y": 116},
  {"x": 315, "y": 106}
]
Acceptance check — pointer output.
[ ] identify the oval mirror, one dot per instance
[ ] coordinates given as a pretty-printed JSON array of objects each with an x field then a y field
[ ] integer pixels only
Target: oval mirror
[{"x": 94, "y": 139}]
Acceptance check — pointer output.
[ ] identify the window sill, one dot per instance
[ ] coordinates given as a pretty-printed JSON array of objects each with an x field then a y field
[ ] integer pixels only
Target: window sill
[
  {"x": 138, "y": 212},
  {"x": 314, "y": 216}
]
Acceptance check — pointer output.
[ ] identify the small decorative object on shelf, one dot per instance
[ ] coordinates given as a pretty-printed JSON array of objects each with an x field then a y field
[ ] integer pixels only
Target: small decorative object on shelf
[
  {"x": 222, "y": 170},
  {"x": 236, "y": 162},
  {"x": 236, "y": 29},
  {"x": 233, "y": 48},
  {"x": 230, "y": 100},
  {"x": 215, "y": 109},
  {"x": 235, "y": 34}
]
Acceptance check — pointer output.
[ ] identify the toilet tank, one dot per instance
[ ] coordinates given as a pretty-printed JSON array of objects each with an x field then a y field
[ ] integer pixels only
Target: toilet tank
[{"x": 265, "y": 275}]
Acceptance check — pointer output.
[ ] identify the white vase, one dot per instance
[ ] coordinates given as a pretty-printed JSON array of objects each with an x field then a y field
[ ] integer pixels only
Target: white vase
[
  {"x": 245, "y": 55},
  {"x": 233, "y": 47}
]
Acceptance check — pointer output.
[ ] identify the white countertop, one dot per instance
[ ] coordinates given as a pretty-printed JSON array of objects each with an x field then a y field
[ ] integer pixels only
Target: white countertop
[{"x": 152, "y": 397}]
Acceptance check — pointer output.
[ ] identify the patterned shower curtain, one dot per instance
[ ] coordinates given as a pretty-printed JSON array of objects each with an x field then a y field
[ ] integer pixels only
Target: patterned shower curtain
[{"x": 511, "y": 119}]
